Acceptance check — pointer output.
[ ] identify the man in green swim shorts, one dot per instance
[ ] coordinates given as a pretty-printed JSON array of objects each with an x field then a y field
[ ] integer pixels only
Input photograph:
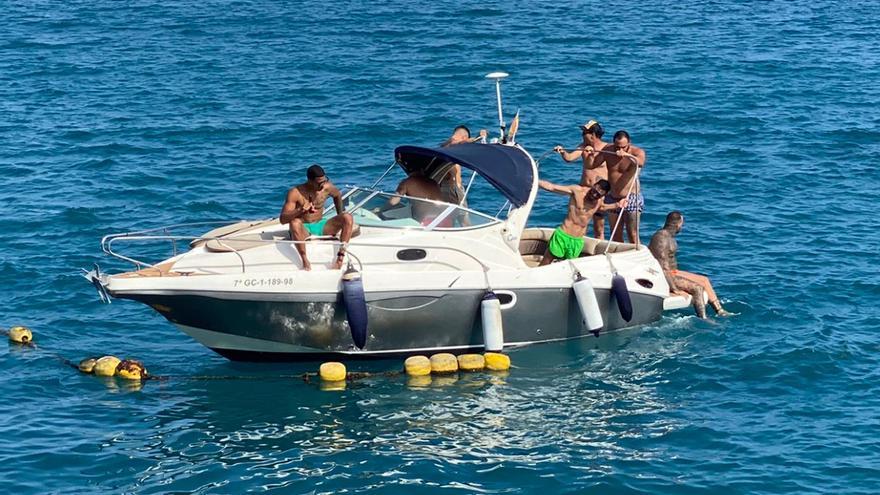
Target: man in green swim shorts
[
  {"x": 568, "y": 239},
  {"x": 304, "y": 208}
]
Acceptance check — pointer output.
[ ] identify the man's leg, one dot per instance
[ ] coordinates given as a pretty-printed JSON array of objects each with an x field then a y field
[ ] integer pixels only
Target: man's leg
[
  {"x": 696, "y": 292},
  {"x": 706, "y": 284},
  {"x": 613, "y": 218},
  {"x": 599, "y": 226},
  {"x": 548, "y": 258},
  {"x": 701, "y": 281},
  {"x": 343, "y": 225},
  {"x": 298, "y": 232},
  {"x": 631, "y": 221}
]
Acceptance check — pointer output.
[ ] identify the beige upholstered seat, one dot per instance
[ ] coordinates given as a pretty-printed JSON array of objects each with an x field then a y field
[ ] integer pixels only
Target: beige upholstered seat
[{"x": 533, "y": 244}]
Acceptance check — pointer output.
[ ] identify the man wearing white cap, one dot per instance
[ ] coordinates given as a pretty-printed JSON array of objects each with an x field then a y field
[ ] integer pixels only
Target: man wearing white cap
[{"x": 593, "y": 170}]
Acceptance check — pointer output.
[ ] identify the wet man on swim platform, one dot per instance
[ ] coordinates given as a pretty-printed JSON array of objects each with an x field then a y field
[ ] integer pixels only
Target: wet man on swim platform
[
  {"x": 592, "y": 170},
  {"x": 664, "y": 248},
  {"x": 567, "y": 241},
  {"x": 304, "y": 208},
  {"x": 623, "y": 159}
]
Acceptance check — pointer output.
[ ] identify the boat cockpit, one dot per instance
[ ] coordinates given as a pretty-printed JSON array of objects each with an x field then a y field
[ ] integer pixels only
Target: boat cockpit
[{"x": 386, "y": 210}]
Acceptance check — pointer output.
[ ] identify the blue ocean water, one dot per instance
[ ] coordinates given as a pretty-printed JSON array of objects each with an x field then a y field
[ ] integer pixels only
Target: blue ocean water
[{"x": 761, "y": 124}]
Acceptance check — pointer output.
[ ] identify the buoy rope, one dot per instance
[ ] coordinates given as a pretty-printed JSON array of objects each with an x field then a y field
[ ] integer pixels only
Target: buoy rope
[
  {"x": 306, "y": 377},
  {"x": 33, "y": 345},
  {"x": 553, "y": 150}
]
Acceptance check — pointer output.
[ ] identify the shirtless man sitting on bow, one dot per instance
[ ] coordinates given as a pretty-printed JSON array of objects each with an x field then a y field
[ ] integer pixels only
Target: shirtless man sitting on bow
[
  {"x": 304, "y": 208},
  {"x": 567, "y": 241},
  {"x": 664, "y": 248}
]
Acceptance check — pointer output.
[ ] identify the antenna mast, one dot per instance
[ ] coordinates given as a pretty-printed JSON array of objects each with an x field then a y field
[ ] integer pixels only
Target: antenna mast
[{"x": 497, "y": 77}]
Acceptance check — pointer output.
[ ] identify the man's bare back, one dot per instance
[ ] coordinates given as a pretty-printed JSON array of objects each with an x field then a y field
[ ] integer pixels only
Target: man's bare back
[
  {"x": 664, "y": 247},
  {"x": 419, "y": 186}
]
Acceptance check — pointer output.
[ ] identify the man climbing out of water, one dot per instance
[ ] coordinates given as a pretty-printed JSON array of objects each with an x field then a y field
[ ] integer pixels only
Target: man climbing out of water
[
  {"x": 592, "y": 170},
  {"x": 664, "y": 248},
  {"x": 304, "y": 208},
  {"x": 623, "y": 160},
  {"x": 567, "y": 241}
]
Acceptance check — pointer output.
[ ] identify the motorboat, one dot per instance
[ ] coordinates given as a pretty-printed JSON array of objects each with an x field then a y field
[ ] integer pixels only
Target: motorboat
[{"x": 432, "y": 276}]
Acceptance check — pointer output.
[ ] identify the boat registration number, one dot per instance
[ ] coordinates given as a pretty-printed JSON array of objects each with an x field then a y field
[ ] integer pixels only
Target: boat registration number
[{"x": 262, "y": 282}]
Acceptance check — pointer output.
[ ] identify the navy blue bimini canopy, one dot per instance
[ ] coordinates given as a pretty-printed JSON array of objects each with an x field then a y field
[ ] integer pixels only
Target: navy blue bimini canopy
[{"x": 507, "y": 168}]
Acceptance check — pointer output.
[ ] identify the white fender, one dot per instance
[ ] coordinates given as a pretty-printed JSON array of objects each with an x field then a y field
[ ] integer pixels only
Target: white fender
[
  {"x": 493, "y": 332},
  {"x": 588, "y": 304}
]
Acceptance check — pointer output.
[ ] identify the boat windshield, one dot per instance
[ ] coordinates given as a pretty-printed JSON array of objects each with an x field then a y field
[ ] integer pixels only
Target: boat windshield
[{"x": 379, "y": 209}]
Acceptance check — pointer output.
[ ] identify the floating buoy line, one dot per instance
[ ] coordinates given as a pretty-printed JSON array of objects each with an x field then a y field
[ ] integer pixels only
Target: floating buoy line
[{"x": 331, "y": 375}]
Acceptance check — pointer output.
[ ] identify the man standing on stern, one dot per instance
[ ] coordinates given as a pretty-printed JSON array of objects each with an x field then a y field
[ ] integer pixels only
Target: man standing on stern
[
  {"x": 624, "y": 160},
  {"x": 592, "y": 143}
]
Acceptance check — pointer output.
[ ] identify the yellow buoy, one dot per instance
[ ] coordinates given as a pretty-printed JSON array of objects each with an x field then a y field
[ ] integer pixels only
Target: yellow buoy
[
  {"x": 471, "y": 362},
  {"x": 332, "y": 372},
  {"x": 417, "y": 366},
  {"x": 131, "y": 370},
  {"x": 87, "y": 365},
  {"x": 106, "y": 366},
  {"x": 443, "y": 363},
  {"x": 497, "y": 362},
  {"x": 21, "y": 335},
  {"x": 418, "y": 381}
]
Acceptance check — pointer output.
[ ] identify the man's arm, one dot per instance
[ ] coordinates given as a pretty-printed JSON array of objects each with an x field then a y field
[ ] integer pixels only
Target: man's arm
[
  {"x": 637, "y": 156},
  {"x": 570, "y": 156},
  {"x": 456, "y": 169},
  {"x": 294, "y": 206},
  {"x": 603, "y": 206},
  {"x": 556, "y": 188},
  {"x": 337, "y": 199},
  {"x": 483, "y": 135},
  {"x": 393, "y": 200}
]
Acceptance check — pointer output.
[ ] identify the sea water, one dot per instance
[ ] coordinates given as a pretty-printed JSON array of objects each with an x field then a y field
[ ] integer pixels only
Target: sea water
[{"x": 760, "y": 121}]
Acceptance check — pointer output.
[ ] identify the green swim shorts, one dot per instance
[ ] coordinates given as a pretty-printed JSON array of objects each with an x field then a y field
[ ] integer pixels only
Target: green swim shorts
[
  {"x": 565, "y": 246},
  {"x": 316, "y": 228}
]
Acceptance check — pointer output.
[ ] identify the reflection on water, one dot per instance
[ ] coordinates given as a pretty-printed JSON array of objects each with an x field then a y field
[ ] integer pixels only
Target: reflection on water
[{"x": 565, "y": 407}]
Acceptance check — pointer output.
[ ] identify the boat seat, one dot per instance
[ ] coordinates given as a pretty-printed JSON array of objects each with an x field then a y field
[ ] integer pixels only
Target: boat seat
[
  {"x": 532, "y": 260},
  {"x": 533, "y": 244}
]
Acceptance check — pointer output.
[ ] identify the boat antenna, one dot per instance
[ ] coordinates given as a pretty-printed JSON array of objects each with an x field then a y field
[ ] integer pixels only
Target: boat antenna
[{"x": 497, "y": 77}]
